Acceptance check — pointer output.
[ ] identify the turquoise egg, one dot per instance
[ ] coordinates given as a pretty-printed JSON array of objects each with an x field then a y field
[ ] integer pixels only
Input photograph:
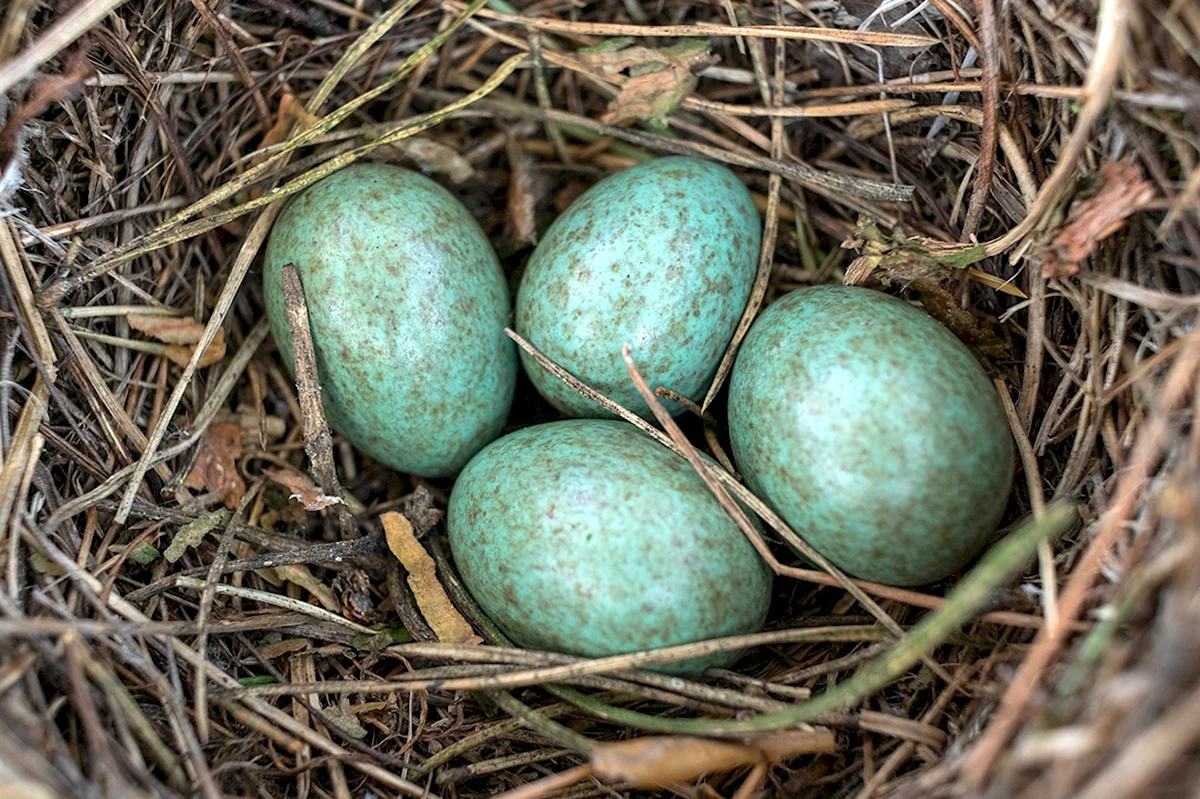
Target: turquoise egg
[
  {"x": 661, "y": 256},
  {"x": 587, "y": 537},
  {"x": 873, "y": 431},
  {"x": 407, "y": 307}
]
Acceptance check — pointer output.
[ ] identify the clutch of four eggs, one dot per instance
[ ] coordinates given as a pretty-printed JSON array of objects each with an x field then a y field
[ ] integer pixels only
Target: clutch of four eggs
[{"x": 862, "y": 421}]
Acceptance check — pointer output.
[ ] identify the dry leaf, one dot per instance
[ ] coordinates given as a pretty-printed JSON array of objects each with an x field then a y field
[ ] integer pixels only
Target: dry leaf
[
  {"x": 289, "y": 109},
  {"x": 432, "y": 156},
  {"x": 299, "y": 574},
  {"x": 616, "y": 56},
  {"x": 283, "y": 122},
  {"x": 420, "y": 511},
  {"x": 167, "y": 329},
  {"x": 181, "y": 354},
  {"x": 651, "y": 97},
  {"x": 443, "y": 618},
  {"x": 659, "y": 79},
  {"x": 662, "y": 761},
  {"x": 216, "y": 467},
  {"x": 1122, "y": 192},
  {"x": 346, "y": 719},
  {"x": 303, "y": 490}
]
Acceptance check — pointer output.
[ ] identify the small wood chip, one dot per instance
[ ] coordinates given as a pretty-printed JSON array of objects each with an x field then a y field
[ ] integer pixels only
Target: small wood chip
[{"x": 443, "y": 618}]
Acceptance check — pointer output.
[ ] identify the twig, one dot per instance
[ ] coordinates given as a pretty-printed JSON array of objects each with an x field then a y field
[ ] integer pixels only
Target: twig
[
  {"x": 318, "y": 441},
  {"x": 1149, "y": 755},
  {"x": 734, "y": 511},
  {"x": 817, "y": 179},
  {"x": 986, "y": 163},
  {"x": 277, "y": 600},
  {"x": 173, "y": 231},
  {"x": 1035, "y": 348}
]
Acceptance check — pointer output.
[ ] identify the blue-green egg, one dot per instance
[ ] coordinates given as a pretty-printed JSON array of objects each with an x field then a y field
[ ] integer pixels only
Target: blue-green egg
[
  {"x": 586, "y": 537},
  {"x": 407, "y": 307},
  {"x": 661, "y": 256},
  {"x": 873, "y": 431}
]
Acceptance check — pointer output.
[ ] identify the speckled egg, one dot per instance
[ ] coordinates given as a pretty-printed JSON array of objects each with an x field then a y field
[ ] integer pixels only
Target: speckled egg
[
  {"x": 873, "y": 431},
  {"x": 661, "y": 256},
  {"x": 586, "y": 537},
  {"x": 407, "y": 307}
]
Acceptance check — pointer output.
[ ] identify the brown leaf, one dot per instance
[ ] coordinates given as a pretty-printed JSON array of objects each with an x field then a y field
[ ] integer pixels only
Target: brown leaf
[
  {"x": 216, "y": 467},
  {"x": 659, "y": 79},
  {"x": 662, "y": 761},
  {"x": 181, "y": 354},
  {"x": 167, "y": 329},
  {"x": 299, "y": 574},
  {"x": 443, "y": 618},
  {"x": 419, "y": 510},
  {"x": 652, "y": 96},
  {"x": 1122, "y": 192},
  {"x": 288, "y": 646},
  {"x": 278, "y": 132},
  {"x": 283, "y": 123},
  {"x": 303, "y": 489}
]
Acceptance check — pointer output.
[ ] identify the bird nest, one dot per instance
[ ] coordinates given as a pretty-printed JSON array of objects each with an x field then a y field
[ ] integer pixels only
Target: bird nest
[{"x": 198, "y": 595}]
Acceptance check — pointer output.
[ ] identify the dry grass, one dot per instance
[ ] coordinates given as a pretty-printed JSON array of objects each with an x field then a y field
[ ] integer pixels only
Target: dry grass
[{"x": 961, "y": 152}]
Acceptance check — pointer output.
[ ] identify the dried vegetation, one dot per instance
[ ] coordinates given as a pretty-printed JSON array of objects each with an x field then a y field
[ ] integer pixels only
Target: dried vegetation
[{"x": 197, "y": 593}]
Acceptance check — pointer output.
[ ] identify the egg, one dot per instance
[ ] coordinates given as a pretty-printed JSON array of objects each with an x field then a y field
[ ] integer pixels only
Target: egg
[
  {"x": 407, "y": 307},
  {"x": 586, "y": 537},
  {"x": 661, "y": 256},
  {"x": 873, "y": 431}
]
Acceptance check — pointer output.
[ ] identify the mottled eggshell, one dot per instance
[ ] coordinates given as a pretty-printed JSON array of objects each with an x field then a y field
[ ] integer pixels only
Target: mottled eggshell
[
  {"x": 873, "y": 431},
  {"x": 661, "y": 256},
  {"x": 586, "y": 537},
  {"x": 407, "y": 307}
]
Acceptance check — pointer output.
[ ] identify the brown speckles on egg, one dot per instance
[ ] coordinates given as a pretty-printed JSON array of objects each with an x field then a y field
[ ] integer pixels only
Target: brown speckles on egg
[
  {"x": 407, "y": 306},
  {"x": 872, "y": 429},
  {"x": 661, "y": 256},
  {"x": 601, "y": 542}
]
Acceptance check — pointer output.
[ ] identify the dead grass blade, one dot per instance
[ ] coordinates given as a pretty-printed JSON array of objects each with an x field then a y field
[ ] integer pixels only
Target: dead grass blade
[{"x": 841, "y": 36}]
